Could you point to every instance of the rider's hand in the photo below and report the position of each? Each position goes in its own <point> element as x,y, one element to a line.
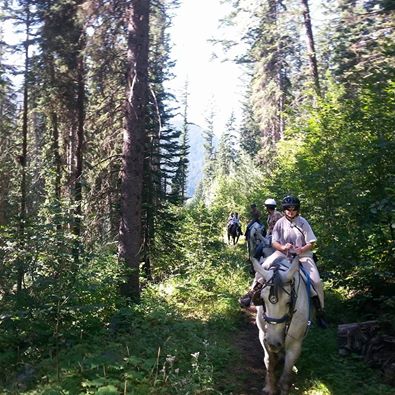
<point>287,247</point>
<point>298,250</point>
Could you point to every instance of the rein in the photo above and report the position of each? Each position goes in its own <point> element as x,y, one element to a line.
<point>275,284</point>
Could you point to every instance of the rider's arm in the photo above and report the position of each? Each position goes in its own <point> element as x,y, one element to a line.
<point>305,248</point>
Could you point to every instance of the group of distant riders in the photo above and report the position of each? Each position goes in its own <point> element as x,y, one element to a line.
<point>289,235</point>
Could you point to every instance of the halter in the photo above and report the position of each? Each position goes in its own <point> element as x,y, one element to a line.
<point>275,283</point>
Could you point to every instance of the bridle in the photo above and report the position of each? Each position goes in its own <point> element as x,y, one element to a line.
<point>275,283</point>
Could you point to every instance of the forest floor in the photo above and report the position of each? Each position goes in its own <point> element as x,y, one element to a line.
<point>321,371</point>
<point>250,371</point>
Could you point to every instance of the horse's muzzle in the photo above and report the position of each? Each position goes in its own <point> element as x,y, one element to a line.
<point>274,346</point>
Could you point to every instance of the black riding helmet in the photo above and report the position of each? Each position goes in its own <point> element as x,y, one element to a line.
<point>290,201</point>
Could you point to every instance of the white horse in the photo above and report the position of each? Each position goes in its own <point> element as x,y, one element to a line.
<point>256,237</point>
<point>282,321</point>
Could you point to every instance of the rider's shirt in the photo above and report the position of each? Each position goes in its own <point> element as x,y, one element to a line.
<point>297,232</point>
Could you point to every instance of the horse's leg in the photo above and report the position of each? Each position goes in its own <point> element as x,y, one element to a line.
<point>292,354</point>
<point>252,247</point>
<point>270,360</point>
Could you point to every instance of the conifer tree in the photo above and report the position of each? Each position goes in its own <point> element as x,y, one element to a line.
<point>106,55</point>
<point>227,154</point>
<point>180,179</point>
<point>63,44</point>
<point>162,138</point>
<point>311,53</point>
<point>133,145</point>
<point>359,41</point>
<point>272,42</point>
<point>209,149</point>
<point>210,159</point>
<point>8,115</point>
<point>25,18</point>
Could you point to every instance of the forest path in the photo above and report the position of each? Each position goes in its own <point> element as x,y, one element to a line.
<point>249,371</point>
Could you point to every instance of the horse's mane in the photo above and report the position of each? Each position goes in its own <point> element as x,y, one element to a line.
<point>276,278</point>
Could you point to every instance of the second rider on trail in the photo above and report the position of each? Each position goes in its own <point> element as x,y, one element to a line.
<point>255,216</point>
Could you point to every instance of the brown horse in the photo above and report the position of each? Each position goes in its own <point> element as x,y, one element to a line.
<point>234,232</point>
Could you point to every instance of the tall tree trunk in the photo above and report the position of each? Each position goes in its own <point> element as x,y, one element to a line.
<point>310,46</point>
<point>79,150</point>
<point>57,160</point>
<point>184,145</point>
<point>23,156</point>
<point>133,145</point>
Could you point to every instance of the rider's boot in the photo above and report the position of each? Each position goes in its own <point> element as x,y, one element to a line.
<point>319,313</point>
<point>251,296</point>
<point>245,300</point>
<point>256,297</point>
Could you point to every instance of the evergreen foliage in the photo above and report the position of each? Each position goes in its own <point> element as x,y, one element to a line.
<point>60,192</point>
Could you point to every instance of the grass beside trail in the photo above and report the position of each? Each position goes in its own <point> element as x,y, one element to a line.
<point>180,340</point>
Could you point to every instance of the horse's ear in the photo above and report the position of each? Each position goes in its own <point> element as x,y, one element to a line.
<point>288,275</point>
<point>259,269</point>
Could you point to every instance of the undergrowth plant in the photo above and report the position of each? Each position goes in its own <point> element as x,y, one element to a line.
<point>179,340</point>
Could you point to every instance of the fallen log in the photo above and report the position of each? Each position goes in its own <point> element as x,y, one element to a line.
<point>374,341</point>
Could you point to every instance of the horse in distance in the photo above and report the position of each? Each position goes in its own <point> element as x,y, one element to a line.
<point>234,233</point>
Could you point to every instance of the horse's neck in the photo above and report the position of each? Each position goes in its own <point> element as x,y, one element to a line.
<point>267,251</point>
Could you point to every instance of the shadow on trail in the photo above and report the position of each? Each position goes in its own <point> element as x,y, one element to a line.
<point>249,368</point>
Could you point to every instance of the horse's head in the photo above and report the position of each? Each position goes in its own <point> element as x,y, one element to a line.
<point>278,294</point>
<point>256,235</point>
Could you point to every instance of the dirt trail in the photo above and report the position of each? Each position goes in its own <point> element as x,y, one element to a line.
<point>250,370</point>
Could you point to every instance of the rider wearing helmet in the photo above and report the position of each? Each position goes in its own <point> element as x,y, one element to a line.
<point>292,235</point>
<point>273,215</point>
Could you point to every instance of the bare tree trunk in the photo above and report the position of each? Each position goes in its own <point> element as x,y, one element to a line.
<point>57,160</point>
<point>23,156</point>
<point>133,145</point>
<point>310,46</point>
<point>79,151</point>
<point>184,144</point>
<point>56,154</point>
